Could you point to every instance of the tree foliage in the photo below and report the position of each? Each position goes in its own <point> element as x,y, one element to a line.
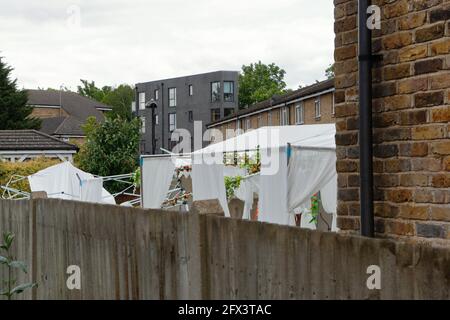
<point>15,114</point>
<point>258,82</point>
<point>329,72</point>
<point>111,147</point>
<point>119,98</point>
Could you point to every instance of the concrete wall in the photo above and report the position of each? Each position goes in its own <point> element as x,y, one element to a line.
<point>127,253</point>
<point>411,114</point>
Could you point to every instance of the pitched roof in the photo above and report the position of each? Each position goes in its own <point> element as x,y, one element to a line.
<point>73,103</point>
<point>70,126</point>
<point>77,106</point>
<point>280,99</point>
<point>20,140</point>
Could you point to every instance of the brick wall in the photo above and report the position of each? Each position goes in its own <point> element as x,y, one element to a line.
<point>411,115</point>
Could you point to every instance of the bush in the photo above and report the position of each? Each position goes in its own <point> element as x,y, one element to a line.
<point>8,169</point>
<point>111,148</point>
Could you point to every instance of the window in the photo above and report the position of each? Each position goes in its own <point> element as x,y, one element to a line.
<point>172,121</point>
<point>248,124</point>
<point>299,114</point>
<point>228,112</point>
<point>215,114</point>
<point>191,90</point>
<point>259,121</point>
<point>191,116</point>
<point>142,124</point>
<point>133,106</point>
<point>317,108</point>
<point>215,91</point>
<point>141,100</point>
<point>172,97</point>
<point>156,119</point>
<point>269,118</point>
<point>228,91</point>
<point>156,95</point>
<point>284,118</point>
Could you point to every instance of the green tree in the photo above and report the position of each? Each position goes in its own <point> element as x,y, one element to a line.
<point>15,114</point>
<point>258,82</point>
<point>120,98</point>
<point>90,90</point>
<point>111,148</point>
<point>329,72</point>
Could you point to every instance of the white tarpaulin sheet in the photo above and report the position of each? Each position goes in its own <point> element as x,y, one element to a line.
<point>91,190</point>
<point>248,187</point>
<point>62,181</point>
<point>317,136</point>
<point>273,190</point>
<point>157,175</point>
<point>309,171</point>
<point>208,183</point>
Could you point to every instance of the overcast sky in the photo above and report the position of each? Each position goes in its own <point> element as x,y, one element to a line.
<point>54,42</point>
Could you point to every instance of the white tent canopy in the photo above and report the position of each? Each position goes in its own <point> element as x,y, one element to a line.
<point>64,181</point>
<point>288,177</point>
<point>314,136</point>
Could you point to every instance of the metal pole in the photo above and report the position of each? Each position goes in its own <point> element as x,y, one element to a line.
<point>365,121</point>
<point>153,131</point>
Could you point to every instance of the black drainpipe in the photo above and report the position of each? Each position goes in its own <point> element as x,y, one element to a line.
<point>365,121</point>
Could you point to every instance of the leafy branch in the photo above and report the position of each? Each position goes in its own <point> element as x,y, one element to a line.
<point>9,261</point>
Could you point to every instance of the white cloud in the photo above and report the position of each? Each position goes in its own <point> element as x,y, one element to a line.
<point>120,41</point>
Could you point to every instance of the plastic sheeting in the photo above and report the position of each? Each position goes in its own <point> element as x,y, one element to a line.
<point>91,190</point>
<point>249,186</point>
<point>64,181</point>
<point>317,136</point>
<point>309,171</point>
<point>328,196</point>
<point>273,190</point>
<point>208,183</point>
<point>157,175</point>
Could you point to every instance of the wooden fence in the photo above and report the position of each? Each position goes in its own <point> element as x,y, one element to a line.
<point>126,253</point>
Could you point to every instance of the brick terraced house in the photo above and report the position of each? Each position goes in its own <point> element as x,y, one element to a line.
<point>309,105</point>
<point>411,118</point>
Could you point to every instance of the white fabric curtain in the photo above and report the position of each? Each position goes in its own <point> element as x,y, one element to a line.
<point>249,186</point>
<point>273,190</point>
<point>157,175</point>
<point>309,171</point>
<point>328,196</point>
<point>208,183</point>
<point>91,190</point>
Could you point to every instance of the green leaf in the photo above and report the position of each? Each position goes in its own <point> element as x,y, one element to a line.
<point>19,265</point>
<point>21,288</point>
<point>7,239</point>
<point>3,260</point>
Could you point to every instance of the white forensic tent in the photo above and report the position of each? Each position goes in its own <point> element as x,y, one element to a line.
<point>64,181</point>
<point>296,163</point>
<point>157,173</point>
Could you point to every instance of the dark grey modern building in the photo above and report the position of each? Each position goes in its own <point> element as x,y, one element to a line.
<point>178,102</point>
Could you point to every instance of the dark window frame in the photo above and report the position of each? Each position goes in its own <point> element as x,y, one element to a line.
<point>175,97</point>
<point>213,112</point>
<point>225,93</point>
<point>218,95</point>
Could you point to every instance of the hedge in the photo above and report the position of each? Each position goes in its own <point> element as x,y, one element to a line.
<point>8,169</point>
